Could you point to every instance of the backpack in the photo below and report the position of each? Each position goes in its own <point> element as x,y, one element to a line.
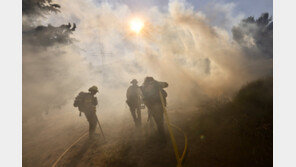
<point>81,101</point>
<point>78,102</point>
<point>165,95</point>
<point>151,93</point>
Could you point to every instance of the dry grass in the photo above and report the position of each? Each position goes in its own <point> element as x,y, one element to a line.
<point>222,133</point>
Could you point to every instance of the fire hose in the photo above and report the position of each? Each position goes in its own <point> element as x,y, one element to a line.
<point>60,157</point>
<point>169,125</point>
<point>174,143</point>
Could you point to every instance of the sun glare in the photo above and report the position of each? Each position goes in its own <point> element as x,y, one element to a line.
<point>136,25</point>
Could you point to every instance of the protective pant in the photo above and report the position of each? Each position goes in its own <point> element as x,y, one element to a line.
<point>92,120</point>
<point>136,114</point>
<point>157,114</point>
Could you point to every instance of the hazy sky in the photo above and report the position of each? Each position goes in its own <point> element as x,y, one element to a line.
<point>190,41</point>
<point>247,7</point>
<point>221,13</point>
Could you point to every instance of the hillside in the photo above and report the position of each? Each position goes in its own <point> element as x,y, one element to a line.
<point>222,132</point>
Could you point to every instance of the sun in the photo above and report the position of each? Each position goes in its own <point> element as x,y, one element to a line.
<point>136,25</point>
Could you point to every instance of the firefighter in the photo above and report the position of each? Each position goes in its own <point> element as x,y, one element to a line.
<point>151,98</point>
<point>134,100</point>
<point>86,103</point>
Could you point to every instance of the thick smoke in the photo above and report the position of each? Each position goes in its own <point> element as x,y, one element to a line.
<point>255,36</point>
<point>177,45</point>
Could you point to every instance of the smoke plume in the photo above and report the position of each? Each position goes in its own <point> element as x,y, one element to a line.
<point>177,45</point>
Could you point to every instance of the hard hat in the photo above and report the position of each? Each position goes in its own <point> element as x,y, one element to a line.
<point>148,79</point>
<point>134,81</point>
<point>93,88</point>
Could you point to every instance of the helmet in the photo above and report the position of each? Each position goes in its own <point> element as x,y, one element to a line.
<point>134,81</point>
<point>148,79</point>
<point>93,88</point>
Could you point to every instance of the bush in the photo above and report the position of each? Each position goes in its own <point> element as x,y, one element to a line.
<point>235,132</point>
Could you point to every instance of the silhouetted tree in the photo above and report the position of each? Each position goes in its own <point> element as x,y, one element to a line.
<point>39,7</point>
<point>45,35</point>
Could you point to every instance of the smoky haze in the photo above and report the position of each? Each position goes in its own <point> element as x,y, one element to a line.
<point>176,45</point>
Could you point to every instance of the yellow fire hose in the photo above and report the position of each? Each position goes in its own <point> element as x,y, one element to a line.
<point>169,125</point>
<point>60,157</point>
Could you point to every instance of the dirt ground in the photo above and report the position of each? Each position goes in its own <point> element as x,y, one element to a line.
<point>125,145</point>
<point>210,143</point>
<point>220,133</point>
